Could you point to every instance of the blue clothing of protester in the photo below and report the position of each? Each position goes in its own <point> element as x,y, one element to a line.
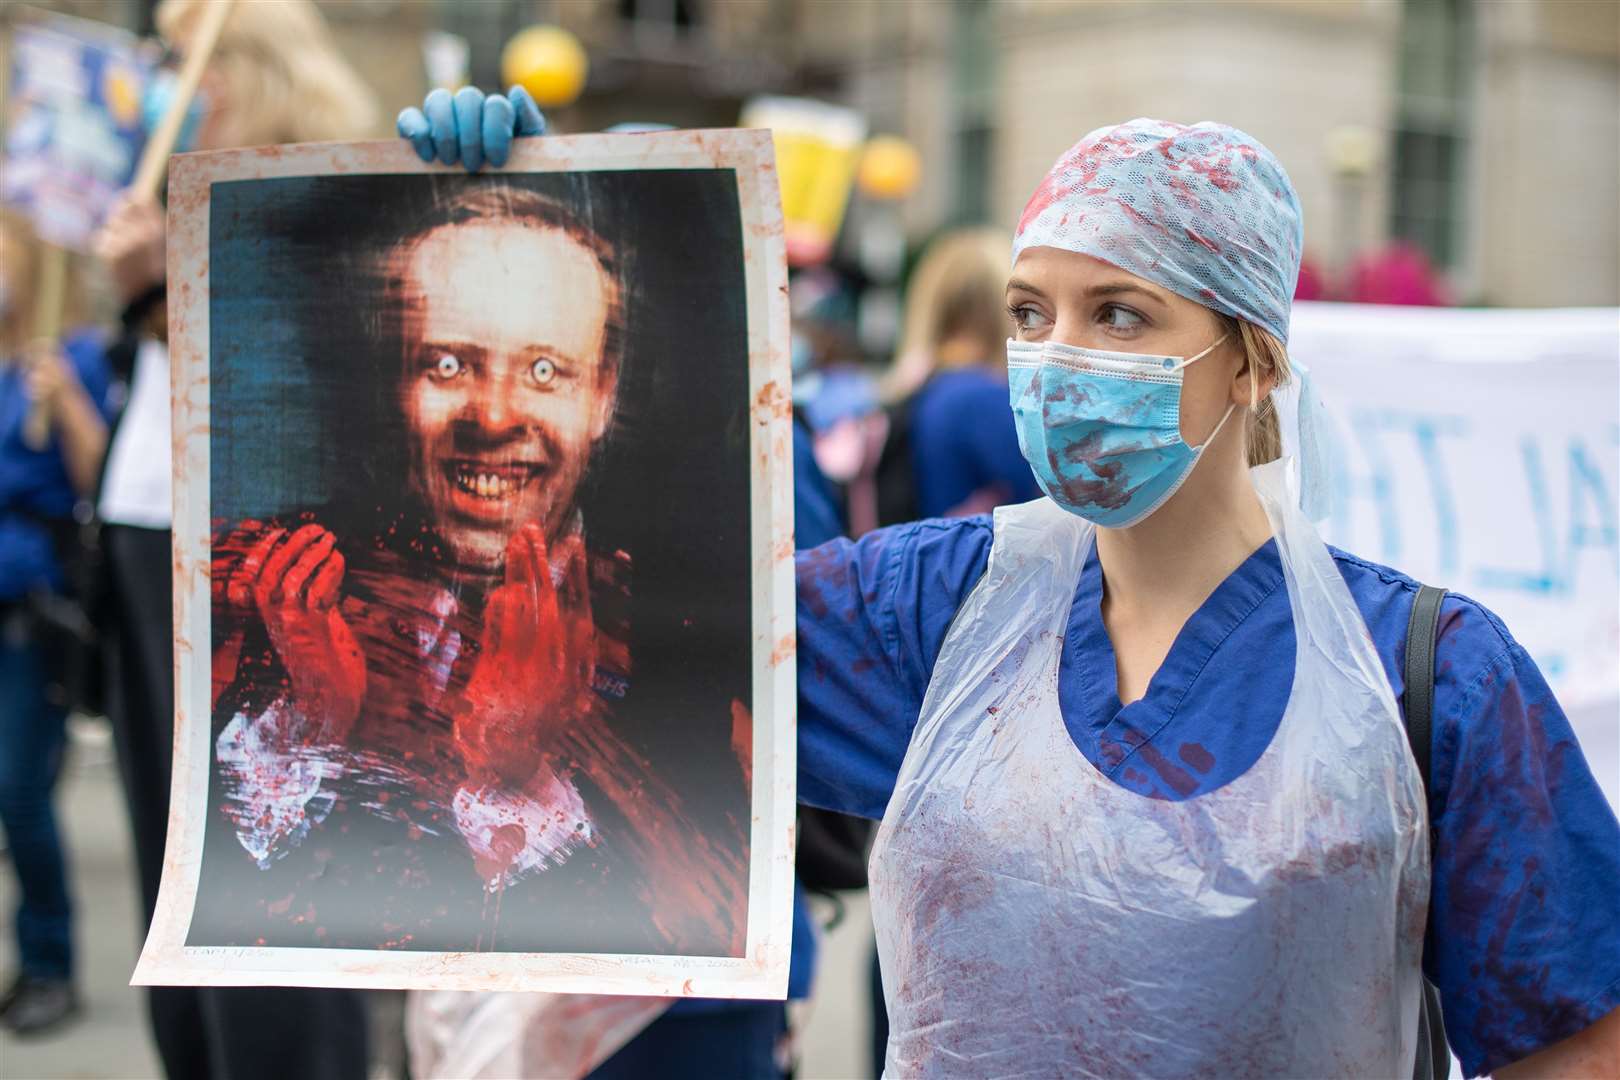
<point>34,488</point>
<point>964,444</point>
<point>737,1044</point>
<point>32,737</point>
<point>34,483</point>
<point>1524,942</point>
<point>816,519</point>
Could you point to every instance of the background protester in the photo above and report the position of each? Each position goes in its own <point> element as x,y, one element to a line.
<point>836,411</point>
<point>934,437</point>
<point>275,77</point>
<point>952,435</point>
<point>53,429</point>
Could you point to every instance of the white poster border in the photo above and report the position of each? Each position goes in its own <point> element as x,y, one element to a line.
<point>762,970</point>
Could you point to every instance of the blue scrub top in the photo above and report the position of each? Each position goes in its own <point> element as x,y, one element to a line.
<point>963,442</point>
<point>816,517</point>
<point>1524,941</point>
<point>34,483</point>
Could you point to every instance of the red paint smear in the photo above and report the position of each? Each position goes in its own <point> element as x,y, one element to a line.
<point>1050,191</point>
<point>1216,172</point>
<point>226,657</point>
<point>820,571</point>
<point>505,844</point>
<point>1205,242</point>
<point>696,883</point>
<point>1197,756</point>
<point>1066,393</point>
<point>1142,219</point>
<point>289,581</point>
<point>1175,777</point>
<point>742,741</point>
<point>697,889</point>
<point>535,672</point>
<point>1109,491</point>
<point>1184,193</point>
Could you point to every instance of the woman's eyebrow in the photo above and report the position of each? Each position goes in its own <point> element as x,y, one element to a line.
<point>1107,288</point>
<point>1120,288</point>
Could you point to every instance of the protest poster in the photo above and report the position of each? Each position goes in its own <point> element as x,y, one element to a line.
<point>1479,451</point>
<point>818,149</point>
<point>73,123</point>
<point>483,547</point>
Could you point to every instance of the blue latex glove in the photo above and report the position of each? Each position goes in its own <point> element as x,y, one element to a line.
<point>470,127</point>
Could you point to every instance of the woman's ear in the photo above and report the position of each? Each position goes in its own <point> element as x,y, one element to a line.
<point>1243,385</point>
<point>1249,390</point>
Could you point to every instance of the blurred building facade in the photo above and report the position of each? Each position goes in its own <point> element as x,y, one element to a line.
<point>1485,132</point>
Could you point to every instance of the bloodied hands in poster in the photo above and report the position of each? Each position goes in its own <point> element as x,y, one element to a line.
<point>480,548</point>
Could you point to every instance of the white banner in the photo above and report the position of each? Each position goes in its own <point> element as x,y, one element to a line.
<point>1480,451</point>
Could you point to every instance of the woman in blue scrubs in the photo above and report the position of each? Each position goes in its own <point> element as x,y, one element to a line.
<point>1147,805</point>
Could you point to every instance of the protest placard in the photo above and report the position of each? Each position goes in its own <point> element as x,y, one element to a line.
<point>1479,451</point>
<point>73,123</point>
<point>484,592</point>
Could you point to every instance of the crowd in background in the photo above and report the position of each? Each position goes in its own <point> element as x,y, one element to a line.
<point>85,565</point>
<point>86,480</point>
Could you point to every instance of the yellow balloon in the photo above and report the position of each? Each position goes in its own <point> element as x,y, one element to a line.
<point>890,168</point>
<point>548,62</point>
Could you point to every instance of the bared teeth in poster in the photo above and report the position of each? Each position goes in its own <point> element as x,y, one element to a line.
<point>482,531</point>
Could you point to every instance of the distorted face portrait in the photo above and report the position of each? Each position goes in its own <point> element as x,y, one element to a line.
<point>506,327</point>
<point>472,518</point>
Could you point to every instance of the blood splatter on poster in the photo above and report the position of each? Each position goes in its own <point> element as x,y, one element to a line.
<point>482,530</point>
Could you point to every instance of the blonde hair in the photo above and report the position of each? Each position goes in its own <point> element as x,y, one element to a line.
<point>1264,355</point>
<point>285,79</point>
<point>957,292</point>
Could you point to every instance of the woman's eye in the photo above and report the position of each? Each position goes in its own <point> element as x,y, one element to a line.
<point>543,371</point>
<point>1120,318</point>
<point>447,366</point>
<point>1026,318</point>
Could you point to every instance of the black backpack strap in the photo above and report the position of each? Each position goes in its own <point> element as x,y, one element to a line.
<point>1420,635</point>
<point>1433,1059</point>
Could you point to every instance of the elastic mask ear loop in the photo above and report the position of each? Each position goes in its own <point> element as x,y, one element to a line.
<point>1194,359</point>
<point>1224,418</point>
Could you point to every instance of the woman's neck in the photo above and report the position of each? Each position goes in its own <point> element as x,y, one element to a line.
<point>1163,568</point>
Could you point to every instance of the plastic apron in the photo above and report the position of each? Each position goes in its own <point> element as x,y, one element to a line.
<point>494,1035</point>
<point>1036,919</point>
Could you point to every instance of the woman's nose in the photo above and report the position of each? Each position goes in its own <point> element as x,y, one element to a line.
<point>1074,330</point>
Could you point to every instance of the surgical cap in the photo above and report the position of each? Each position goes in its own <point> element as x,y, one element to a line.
<point>1204,211</point>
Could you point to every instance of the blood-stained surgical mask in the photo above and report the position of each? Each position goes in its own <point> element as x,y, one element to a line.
<point>1102,430</point>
